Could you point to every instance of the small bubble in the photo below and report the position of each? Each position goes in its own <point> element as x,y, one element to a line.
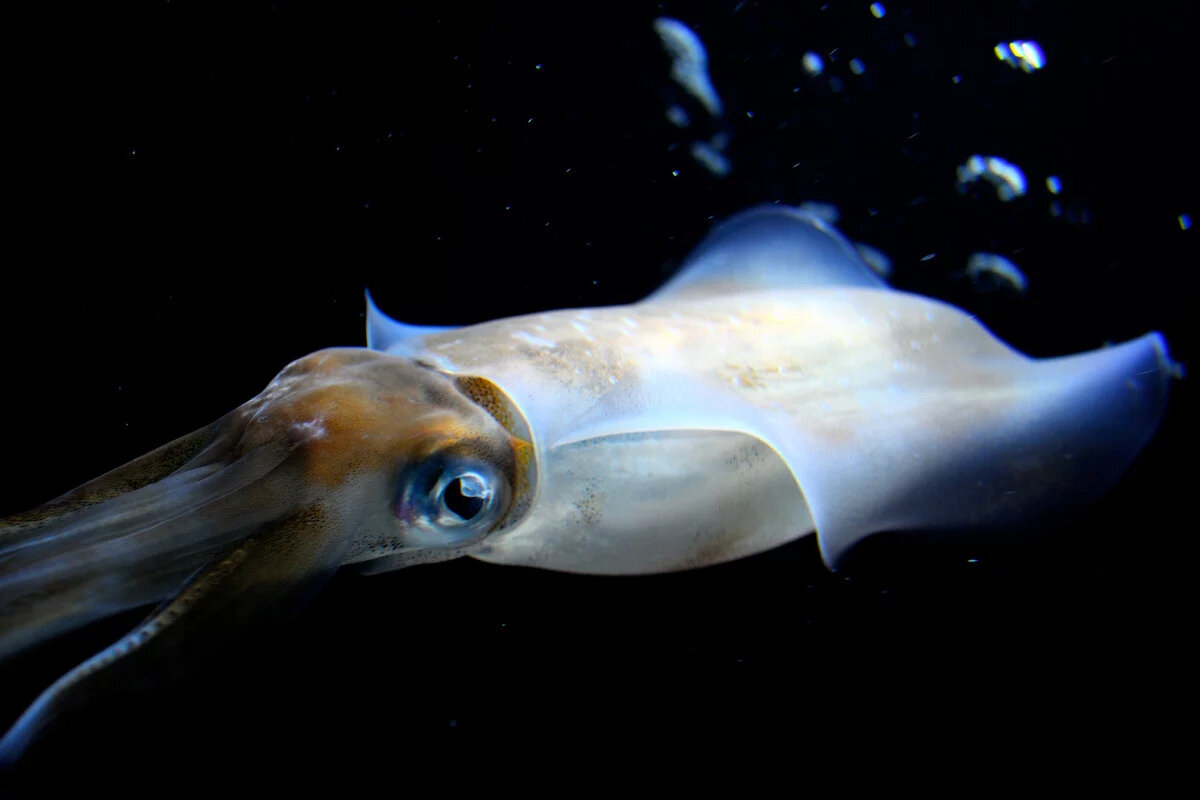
<point>711,158</point>
<point>1006,177</point>
<point>989,271</point>
<point>826,211</point>
<point>875,259</point>
<point>678,116</point>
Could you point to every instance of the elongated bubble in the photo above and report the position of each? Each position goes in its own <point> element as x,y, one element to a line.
<point>689,62</point>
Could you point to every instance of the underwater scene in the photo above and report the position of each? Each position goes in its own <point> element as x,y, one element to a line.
<point>846,420</point>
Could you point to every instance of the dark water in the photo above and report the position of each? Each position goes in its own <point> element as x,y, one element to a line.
<point>207,189</point>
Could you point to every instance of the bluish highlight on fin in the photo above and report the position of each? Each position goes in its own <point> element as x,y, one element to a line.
<point>769,247</point>
<point>389,335</point>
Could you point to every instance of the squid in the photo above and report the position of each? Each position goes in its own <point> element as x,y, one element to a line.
<point>775,387</point>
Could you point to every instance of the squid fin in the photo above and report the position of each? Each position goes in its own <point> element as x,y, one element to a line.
<point>769,247</point>
<point>391,336</point>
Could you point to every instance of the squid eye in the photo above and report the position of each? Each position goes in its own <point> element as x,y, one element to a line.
<point>449,499</point>
<point>464,496</point>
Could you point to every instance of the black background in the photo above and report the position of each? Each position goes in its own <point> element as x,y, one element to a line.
<point>202,191</point>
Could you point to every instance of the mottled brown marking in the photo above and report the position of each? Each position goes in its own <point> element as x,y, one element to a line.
<point>346,411</point>
<point>493,400</point>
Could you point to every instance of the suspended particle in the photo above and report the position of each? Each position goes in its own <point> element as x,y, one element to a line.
<point>1185,221</point>
<point>878,11</point>
<point>857,66</point>
<point>814,65</point>
<point>1053,184</point>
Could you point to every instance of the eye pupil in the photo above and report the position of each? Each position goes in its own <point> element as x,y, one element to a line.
<point>465,500</point>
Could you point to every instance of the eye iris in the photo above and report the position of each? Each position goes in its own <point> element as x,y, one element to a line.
<point>464,496</point>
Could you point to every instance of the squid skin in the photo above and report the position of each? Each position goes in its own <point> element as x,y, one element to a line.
<point>776,387</point>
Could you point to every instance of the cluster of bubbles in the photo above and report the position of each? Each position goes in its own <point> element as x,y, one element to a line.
<point>814,65</point>
<point>689,68</point>
<point>1025,55</point>
<point>986,271</point>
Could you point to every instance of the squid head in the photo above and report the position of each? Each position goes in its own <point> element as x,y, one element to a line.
<point>349,455</point>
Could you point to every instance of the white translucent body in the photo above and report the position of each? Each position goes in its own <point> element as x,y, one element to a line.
<point>774,387</point>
